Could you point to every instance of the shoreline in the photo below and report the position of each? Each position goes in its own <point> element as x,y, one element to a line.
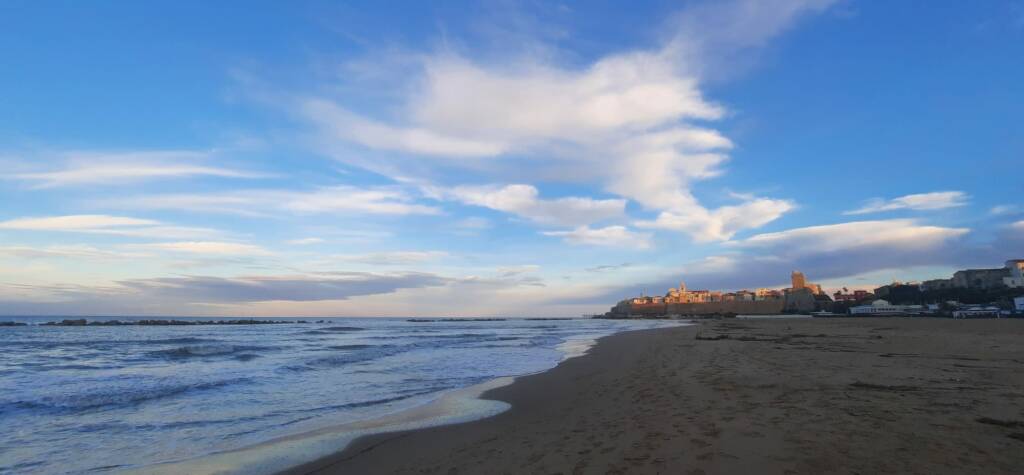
<point>870,395</point>
<point>283,454</point>
<point>501,393</point>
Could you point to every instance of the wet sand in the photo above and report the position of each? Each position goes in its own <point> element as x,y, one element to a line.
<point>868,395</point>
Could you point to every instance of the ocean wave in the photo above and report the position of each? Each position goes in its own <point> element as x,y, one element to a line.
<point>189,351</point>
<point>49,344</point>
<point>350,347</point>
<point>120,396</point>
<point>331,330</point>
<point>361,353</point>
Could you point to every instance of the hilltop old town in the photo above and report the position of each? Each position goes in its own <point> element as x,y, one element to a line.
<point>969,293</point>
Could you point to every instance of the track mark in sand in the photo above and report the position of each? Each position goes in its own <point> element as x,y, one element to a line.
<point>882,387</point>
<point>999,422</point>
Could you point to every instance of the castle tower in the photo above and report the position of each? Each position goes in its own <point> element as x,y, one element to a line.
<point>799,281</point>
<point>682,287</point>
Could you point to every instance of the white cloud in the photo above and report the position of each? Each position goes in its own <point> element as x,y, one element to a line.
<point>721,28</point>
<point>536,101</point>
<point>90,168</point>
<point>631,123</point>
<point>326,200</point>
<point>1004,209</point>
<point>354,200</point>
<point>207,247</point>
<point>721,223</point>
<point>105,224</point>
<point>339,123</point>
<point>473,223</point>
<point>73,251</point>
<point>74,222</point>
<point>305,241</point>
<point>1019,225</point>
<point>386,258</point>
<point>612,236</point>
<point>893,234</point>
<point>524,201</point>
<point>920,202</point>
<point>512,271</point>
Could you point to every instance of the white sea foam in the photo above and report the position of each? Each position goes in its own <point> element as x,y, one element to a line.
<point>273,456</point>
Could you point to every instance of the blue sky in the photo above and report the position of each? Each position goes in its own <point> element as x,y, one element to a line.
<point>499,158</point>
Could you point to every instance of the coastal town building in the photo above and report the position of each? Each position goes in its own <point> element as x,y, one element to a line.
<point>798,279</point>
<point>883,307</point>
<point>936,284</point>
<point>856,296</point>
<point>980,278</point>
<point>977,311</point>
<point>1010,275</point>
<point>1018,304</point>
<point>1015,267</point>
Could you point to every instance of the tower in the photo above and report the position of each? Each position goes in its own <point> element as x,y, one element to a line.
<point>799,281</point>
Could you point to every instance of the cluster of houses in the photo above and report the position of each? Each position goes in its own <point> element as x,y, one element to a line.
<point>970,293</point>
<point>1006,283</point>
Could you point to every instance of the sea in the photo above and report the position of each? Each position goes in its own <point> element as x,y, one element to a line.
<point>109,399</point>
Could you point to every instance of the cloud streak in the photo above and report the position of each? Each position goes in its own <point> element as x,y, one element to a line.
<point>106,224</point>
<point>92,168</point>
<point>524,201</point>
<point>918,202</point>
<point>351,200</point>
<point>610,236</point>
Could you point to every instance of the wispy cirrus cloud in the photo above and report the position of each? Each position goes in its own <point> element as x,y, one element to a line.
<point>524,201</point>
<point>633,123</point>
<point>385,200</point>
<point>92,168</point>
<point>207,247</point>
<point>66,251</point>
<point>610,236</point>
<point>918,202</point>
<point>1001,210</point>
<point>385,258</point>
<point>106,224</point>
<point>895,234</point>
<point>304,241</point>
<point>324,286</point>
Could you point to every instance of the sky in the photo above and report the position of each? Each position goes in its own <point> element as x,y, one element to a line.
<point>499,158</point>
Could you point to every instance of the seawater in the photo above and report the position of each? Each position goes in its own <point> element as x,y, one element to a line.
<point>110,398</point>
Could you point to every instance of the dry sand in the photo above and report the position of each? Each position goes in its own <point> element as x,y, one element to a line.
<point>869,395</point>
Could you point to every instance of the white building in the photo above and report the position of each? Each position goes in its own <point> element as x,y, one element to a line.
<point>1018,303</point>
<point>1016,277</point>
<point>977,312</point>
<point>883,307</point>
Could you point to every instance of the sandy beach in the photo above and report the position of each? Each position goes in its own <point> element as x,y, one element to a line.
<point>869,395</point>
